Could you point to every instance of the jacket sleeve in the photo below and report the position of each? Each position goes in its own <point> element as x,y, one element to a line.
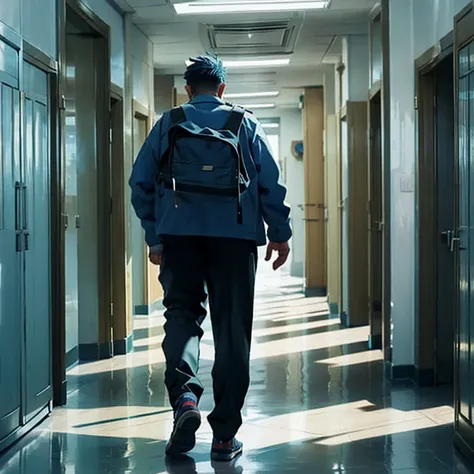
<point>143,184</point>
<point>275,210</point>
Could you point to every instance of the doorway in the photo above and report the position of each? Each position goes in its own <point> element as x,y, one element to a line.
<point>121,314</point>
<point>463,238</point>
<point>375,221</point>
<point>87,186</point>
<point>435,297</point>
<point>139,253</point>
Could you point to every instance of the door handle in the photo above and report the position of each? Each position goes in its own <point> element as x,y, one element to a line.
<point>78,221</point>
<point>25,206</point>
<point>17,205</point>
<point>447,237</point>
<point>453,242</point>
<point>27,241</point>
<point>18,241</point>
<point>378,226</point>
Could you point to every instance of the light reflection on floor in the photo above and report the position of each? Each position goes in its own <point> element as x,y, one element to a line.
<point>318,403</point>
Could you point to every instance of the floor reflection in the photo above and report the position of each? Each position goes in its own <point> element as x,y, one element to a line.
<point>318,403</point>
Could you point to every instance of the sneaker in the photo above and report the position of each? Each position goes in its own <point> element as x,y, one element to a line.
<point>226,450</point>
<point>187,421</point>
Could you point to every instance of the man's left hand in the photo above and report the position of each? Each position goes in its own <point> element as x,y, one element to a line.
<point>155,258</point>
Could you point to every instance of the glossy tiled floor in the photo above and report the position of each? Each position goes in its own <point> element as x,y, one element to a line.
<point>318,404</point>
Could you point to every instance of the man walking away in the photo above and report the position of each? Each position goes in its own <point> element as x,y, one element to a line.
<point>203,185</point>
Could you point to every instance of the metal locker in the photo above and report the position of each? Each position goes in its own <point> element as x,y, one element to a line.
<point>36,202</point>
<point>10,244</point>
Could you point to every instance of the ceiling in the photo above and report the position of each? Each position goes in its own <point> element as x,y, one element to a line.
<point>311,38</point>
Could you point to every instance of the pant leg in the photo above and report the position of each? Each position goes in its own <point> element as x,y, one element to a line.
<point>231,266</point>
<point>182,276</point>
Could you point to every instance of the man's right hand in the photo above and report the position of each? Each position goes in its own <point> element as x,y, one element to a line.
<point>283,250</point>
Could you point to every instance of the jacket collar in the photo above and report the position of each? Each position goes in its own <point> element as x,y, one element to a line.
<point>206,98</point>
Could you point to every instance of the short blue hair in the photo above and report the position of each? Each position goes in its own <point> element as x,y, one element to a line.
<point>205,71</point>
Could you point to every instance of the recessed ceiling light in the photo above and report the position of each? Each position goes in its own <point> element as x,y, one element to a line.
<point>258,106</point>
<point>270,125</point>
<point>252,95</point>
<point>247,6</point>
<point>255,62</point>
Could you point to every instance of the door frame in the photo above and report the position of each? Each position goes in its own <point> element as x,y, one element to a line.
<point>426,218</point>
<point>120,308</point>
<point>103,47</point>
<point>375,335</point>
<point>463,35</point>
<point>386,190</point>
<point>144,114</point>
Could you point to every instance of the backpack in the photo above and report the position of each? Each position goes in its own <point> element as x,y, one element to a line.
<point>201,160</point>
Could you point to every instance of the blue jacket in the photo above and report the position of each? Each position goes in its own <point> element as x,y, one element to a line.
<point>264,201</point>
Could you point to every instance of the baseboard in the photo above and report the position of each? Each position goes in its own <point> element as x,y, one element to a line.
<point>123,346</point>
<point>142,310</point>
<point>62,398</point>
<point>149,309</point>
<point>95,351</point>
<point>425,377</point>
<point>334,309</point>
<point>375,342</point>
<point>315,292</point>
<point>402,372</point>
<point>297,269</point>
<point>72,357</point>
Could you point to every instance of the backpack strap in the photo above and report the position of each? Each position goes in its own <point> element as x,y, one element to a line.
<point>177,115</point>
<point>234,122</point>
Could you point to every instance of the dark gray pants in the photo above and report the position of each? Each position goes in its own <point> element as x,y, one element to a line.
<point>227,267</point>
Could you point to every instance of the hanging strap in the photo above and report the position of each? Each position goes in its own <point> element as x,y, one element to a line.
<point>177,115</point>
<point>234,122</point>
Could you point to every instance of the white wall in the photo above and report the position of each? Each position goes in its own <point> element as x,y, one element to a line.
<point>142,67</point>
<point>34,20</point>
<point>291,129</point>
<point>355,56</point>
<point>415,26</point>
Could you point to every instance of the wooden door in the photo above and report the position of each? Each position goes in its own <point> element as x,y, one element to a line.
<point>313,127</point>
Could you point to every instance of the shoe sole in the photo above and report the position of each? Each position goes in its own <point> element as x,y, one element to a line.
<point>183,438</point>
<point>225,456</point>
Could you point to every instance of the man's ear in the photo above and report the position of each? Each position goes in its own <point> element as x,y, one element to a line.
<point>221,90</point>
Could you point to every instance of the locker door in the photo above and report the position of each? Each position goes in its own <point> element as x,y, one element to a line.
<point>10,317</point>
<point>36,196</point>
<point>463,243</point>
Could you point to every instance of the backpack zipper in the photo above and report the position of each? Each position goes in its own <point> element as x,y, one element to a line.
<point>175,194</point>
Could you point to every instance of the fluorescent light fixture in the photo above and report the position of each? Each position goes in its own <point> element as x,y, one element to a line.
<point>270,125</point>
<point>258,106</point>
<point>247,6</point>
<point>252,95</point>
<point>233,63</point>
